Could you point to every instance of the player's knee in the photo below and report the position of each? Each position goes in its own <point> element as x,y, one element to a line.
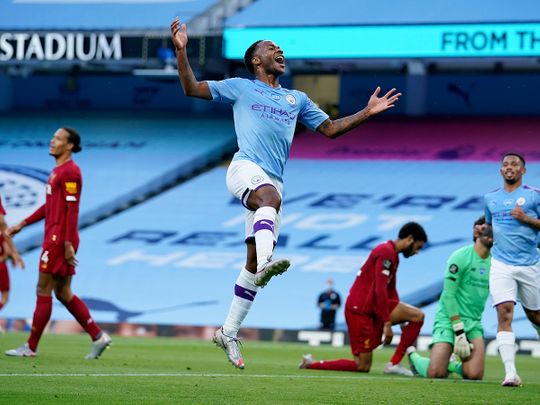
<point>62,295</point>
<point>363,368</point>
<point>434,372</point>
<point>533,316</point>
<point>475,375</point>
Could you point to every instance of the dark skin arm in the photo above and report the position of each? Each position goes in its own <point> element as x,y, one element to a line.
<point>190,85</point>
<point>335,128</point>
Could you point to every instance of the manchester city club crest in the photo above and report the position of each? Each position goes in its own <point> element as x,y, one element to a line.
<point>520,201</point>
<point>290,99</point>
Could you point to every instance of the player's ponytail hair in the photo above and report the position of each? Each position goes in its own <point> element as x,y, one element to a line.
<point>74,138</point>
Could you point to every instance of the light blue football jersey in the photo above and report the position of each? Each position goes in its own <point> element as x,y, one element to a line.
<point>514,242</point>
<point>265,119</point>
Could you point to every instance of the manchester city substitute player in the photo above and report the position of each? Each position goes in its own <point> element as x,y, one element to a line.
<point>265,116</point>
<point>458,319</point>
<point>514,211</point>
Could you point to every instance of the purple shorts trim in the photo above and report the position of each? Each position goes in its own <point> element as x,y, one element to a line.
<point>502,302</point>
<point>247,193</point>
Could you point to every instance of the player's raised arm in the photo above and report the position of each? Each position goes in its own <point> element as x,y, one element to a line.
<point>190,85</point>
<point>334,128</point>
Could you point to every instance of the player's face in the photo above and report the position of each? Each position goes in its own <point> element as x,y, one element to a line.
<point>512,169</point>
<point>59,143</point>
<point>413,248</point>
<point>271,58</point>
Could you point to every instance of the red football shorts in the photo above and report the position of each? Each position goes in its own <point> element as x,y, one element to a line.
<point>365,330</point>
<point>52,261</point>
<point>4,277</point>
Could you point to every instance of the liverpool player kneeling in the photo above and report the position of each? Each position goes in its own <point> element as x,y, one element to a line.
<point>373,306</point>
<point>57,261</point>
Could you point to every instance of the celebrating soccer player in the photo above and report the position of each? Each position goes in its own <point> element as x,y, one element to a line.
<point>57,261</point>
<point>458,319</point>
<point>265,116</point>
<point>514,211</point>
<point>373,306</point>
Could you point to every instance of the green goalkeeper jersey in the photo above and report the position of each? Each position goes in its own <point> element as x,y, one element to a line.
<point>466,286</point>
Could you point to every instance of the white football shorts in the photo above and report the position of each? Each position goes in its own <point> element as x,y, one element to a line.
<point>515,283</point>
<point>244,177</point>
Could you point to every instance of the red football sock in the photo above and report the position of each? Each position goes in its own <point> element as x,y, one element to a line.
<point>79,310</point>
<point>1,305</point>
<point>42,314</point>
<point>409,335</point>
<point>336,365</point>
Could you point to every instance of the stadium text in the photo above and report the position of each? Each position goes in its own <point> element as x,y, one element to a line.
<point>481,40</point>
<point>55,46</point>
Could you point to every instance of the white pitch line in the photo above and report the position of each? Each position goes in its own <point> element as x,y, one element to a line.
<point>242,375</point>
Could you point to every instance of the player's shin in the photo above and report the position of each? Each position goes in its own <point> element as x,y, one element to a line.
<point>408,337</point>
<point>335,365</point>
<point>42,314</point>
<point>80,312</point>
<point>420,363</point>
<point>263,229</point>
<point>507,349</point>
<point>245,291</point>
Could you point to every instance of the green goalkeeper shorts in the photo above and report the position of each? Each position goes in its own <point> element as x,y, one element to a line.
<point>445,334</point>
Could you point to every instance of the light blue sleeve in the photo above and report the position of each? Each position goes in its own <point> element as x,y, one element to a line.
<point>310,115</point>
<point>487,212</point>
<point>228,90</point>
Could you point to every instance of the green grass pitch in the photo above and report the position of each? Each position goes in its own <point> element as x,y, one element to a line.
<point>165,370</point>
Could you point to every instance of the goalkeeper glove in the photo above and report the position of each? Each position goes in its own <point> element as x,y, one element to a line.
<point>462,346</point>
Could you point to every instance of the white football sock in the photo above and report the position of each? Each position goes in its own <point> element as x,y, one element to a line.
<point>244,294</point>
<point>507,350</point>
<point>263,228</point>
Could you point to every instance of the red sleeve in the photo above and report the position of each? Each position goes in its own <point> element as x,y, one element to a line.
<point>38,215</point>
<point>2,210</point>
<point>71,188</point>
<point>383,271</point>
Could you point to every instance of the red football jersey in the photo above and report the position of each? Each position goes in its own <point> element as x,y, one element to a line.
<point>375,284</point>
<point>61,208</point>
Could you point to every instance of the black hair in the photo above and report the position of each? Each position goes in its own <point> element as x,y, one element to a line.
<point>74,138</point>
<point>249,55</point>
<point>415,230</point>
<point>519,156</point>
<point>480,221</point>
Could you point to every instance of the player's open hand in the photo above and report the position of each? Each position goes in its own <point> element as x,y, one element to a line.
<point>69,254</point>
<point>388,333</point>
<point>179,34</point>
<point>378,104</point>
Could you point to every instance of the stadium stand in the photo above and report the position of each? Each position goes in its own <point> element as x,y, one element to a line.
<point>322,13</point>
<point>125,159</point>
<point>65,15</point>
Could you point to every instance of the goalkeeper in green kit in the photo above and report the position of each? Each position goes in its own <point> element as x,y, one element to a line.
<point>457,327</point>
